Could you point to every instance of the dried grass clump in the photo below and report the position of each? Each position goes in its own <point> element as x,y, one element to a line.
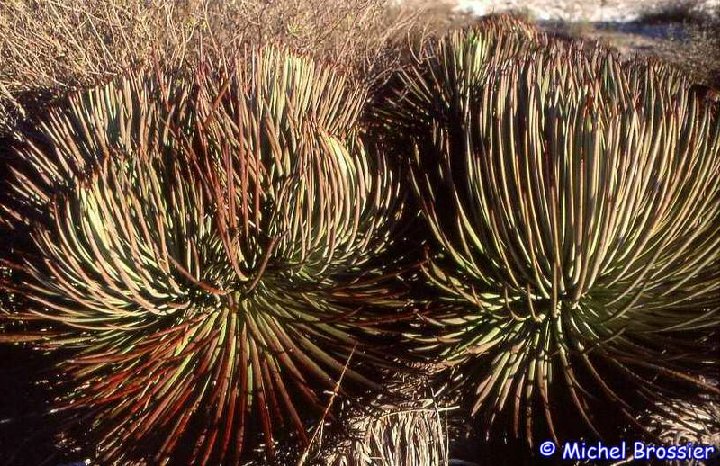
<point>410,435</point>
<point>684,421</point>
<point>681,421</point>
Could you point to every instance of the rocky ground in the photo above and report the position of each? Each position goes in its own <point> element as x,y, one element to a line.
<point>593,11</point>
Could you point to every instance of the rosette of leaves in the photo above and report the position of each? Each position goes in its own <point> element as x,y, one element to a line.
<point>215,277</point>
<point>573,202</point>
<point>134,114</point>
<point>435,86</point>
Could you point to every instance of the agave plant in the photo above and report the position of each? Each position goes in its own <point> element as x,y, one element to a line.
<point>130,115</point>
<point>435,88</point>
<point>214,268</point>
<point>574,211</point>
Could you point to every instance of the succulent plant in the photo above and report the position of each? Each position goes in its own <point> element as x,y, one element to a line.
<point>216,263</point>
<point>573,201</point>
<point>129,115</point>
<point>444,73</point>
